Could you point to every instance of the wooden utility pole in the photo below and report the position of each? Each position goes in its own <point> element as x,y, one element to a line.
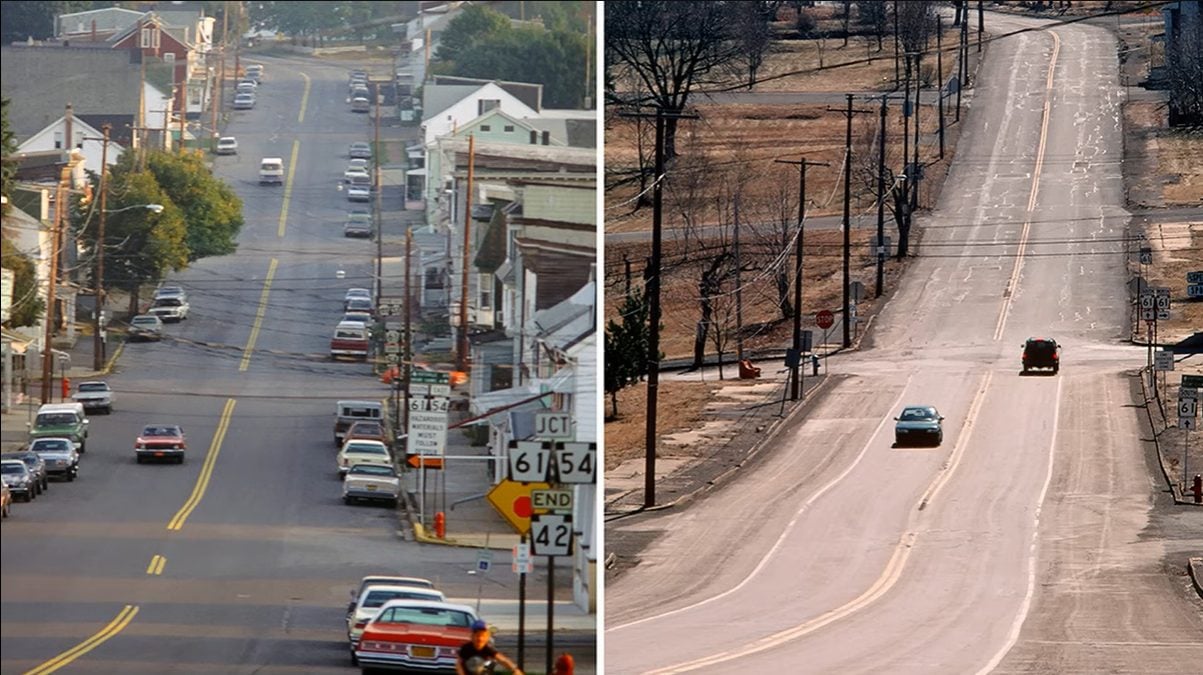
<point>915,165</point>
<point>98,343</point>
<point>962,55</point>
<point>652,292</point>
<point>981,23</point>
<point>796,372</point>
<point>739,294</point>
<point>408,362</point>
<point>897,50</point>
<point>848,219</point>
<point>461,356</point>
<point>940,80</point>
<point>879,250</point>
<point>379,207</point>
<point>60,206</point>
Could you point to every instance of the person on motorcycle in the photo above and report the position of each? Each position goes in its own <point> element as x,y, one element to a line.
<point>477,651</point>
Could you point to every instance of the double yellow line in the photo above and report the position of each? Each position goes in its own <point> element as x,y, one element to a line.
<point>250,343</point>
<point>115,626</point>
<point>202,481</point>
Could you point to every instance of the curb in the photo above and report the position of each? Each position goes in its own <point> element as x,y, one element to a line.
<point>1176,494</point>
<point>422,536</point>
<point>1194,567</point>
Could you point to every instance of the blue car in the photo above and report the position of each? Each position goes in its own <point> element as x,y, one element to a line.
<point>918,424</point>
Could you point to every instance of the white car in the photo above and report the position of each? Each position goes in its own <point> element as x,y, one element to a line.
<point>359,162</point>
<point>371,482</point>
<point>364,293</point>
<point>244,101</point>
<point>170,309</point>
<point>373,597</point>
<point>357,173</point>
<point>146,327</point>
<point>358,193</point>
<point>171,292</point>
<point>95,395</point>
<point>358,451</point>
<point>227,145</point>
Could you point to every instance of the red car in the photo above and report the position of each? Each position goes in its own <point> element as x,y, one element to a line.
<point>415,635</point>
<point>161,441</point>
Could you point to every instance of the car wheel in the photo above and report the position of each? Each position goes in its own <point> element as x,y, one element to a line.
<point>28,497</point>
<point>354,659</point>
<point>46,483</point>
<point>108,410</point>
<point>179,460</point>
<point>139,458</point>
<point>71,477</point>
<point>347,500</point>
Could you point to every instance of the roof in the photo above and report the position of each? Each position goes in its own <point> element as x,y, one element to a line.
<point>106,19</point>
<point>528,92</point>
<point>492,251</point>
<point>41,81</point>
<point>437,98</point>
<point>574,132</point>
<point>564,324</point>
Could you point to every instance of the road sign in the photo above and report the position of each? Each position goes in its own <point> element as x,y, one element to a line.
<point>1146,256</point>
<point>552,535</point>
<point>1163,360</point>
<point>554,426</point>
<point>521,562</point>
<point>1194,291</point>
<point>392,348</point>
<point>1192,382</point>
<point>424,462</point>
<point>1187,392</point>
<point>429,404</point>
<point>1161,291</point>
<point>825,319</point>
<point>1187,423</point>
<point>1163,302</point>
<point>1194,277</point>
<point>484,560</point>
<point>392,358</point>
<point>429,376</point>
<point>427,426</point>
<point>392,336</point>
<point>1188,407</point>
<point>576,462</point>
<point>392,307</point>
<point>512,500</point>
<point>1148,301</point>
<point>529,460</point>
<point>857,290</point>
<point>807,340</point>
<point>1148,314</point>
<point>1163,315</point>
<point>551,500</point>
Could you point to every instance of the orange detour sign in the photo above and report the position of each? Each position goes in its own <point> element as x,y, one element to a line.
<point>424,461</point>
<point>512,501</point>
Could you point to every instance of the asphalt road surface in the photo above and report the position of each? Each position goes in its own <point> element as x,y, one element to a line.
<point>241,559</point>
<point>1031,540</point>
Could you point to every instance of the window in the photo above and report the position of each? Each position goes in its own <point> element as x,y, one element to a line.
<point>509,128</point>
<point>486,299</point>
<point>485,127</point>
<point>434,279</point>
<point>58,140</point>
<point>484,105</point>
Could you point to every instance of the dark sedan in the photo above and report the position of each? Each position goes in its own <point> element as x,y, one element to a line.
<point>36,465</point>
<point>918,424</point>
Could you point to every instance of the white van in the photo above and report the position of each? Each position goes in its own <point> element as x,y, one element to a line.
<point>271,170</point>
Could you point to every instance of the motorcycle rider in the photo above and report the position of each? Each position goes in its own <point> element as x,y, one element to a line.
<point>478,650</point>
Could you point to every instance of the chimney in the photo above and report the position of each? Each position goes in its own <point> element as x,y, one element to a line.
<point>546,138</point>
<point>93,30</point>
<point>69,131</point>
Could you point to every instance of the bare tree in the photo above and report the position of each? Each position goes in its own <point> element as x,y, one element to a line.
<point>873,14</point>
<point>1184,68</point>
<point>674,48</point>
<point>755,36</point>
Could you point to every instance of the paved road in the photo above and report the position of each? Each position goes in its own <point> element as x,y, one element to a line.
<point>257,573</point>
<point>1031,540</point>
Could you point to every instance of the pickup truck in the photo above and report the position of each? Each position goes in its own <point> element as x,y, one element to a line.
<point>95,395</point>
<point>350,412</point>
<point>350,340</point>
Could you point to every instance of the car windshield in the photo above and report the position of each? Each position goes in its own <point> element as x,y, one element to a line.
<point>93,386</point>
<point>21,457</point>
<point>13,467</point>
<point>366,449</point>
<point>367,428</point>
<point>161,431</point>
<point>50,445</point>
<point>426,616</point>
<point>168,302</point>
<point>1041,346</point>
<point>378,598</point>
<point>55,419</point>
<point>918,414</point>
<point>145,320</point>
<point>373,470</point>
<point>359,303</point>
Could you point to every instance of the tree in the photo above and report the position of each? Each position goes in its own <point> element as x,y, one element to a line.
<point>475,23</point>
<point>673,48</point>
<point>141,246</point>
<point>27,308</point>
<point>211,210</point>
<point>626,346</point>
<point>23,20</point>
<point>8,165</point>
<point>1184,66</point>
<point>873,14</point>
<point>756,36</point>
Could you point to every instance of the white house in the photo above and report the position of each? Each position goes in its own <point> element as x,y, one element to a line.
<point>84,138</point>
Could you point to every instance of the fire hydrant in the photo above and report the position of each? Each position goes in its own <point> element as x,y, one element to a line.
<point>66,388</point>
<point>440,525</point>
<point>1198,489</point>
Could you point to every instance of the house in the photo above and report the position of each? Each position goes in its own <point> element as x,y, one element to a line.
<point>100,85</point>
<point>419,45</point>
<point>84,137</point>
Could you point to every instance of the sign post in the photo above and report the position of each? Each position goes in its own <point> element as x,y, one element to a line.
<point>426,435</point>
<point>1188,409</point>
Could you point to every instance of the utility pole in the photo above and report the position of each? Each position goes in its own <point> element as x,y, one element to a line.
<point>880,249</point>
<point>98,343</point>
<point>897,75</point>
<point>739,294</point>
<point>915,164</point>
<point>652,290</point>
<point>906,130</point>
<point>848,219</point>
<point>962,55</point>
<point>940,80</point>
<point>60,205</point>
<point>461,356</point>
<point>408,361</point>
<point>376,187</point>
<point>981,23</point>
<point>796,373</point>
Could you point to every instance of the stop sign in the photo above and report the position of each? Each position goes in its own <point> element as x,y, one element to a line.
<point>825,319</point>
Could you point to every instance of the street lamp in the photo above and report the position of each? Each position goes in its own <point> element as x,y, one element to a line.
<point>98,343</point>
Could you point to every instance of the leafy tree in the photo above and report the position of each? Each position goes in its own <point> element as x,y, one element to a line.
<point>27,308</point>
<point>141,246</point>
<point>477,22</point>
<point>211,210</point>
<point>626,346</point>
<point>8,166</point>
<point>24,20</point>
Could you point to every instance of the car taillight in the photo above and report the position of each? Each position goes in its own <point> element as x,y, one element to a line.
<point>360,624</point>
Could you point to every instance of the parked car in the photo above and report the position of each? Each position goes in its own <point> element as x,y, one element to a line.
<point>357,175</point>
<point>359,163</point>
<point>359,193</point>
<point>371,482</point>
<point>367,430</point>
<point>360,150</point>
<point>62,461</point>
<point>161,441</point>
<point>415,635</point>
<point>359,224</point>
<point>355,452</point>
<point>349,412</point>
<point>360,104</point>
<point>227,145</point>
<point>358,317</point>
<point>95,395</point>
<point>35,464</point>
<point>146,327</point>
<point>349,340</point>
<point>20,482</point>
<point>1041,353</point>
<point>244,101</point>
<point>918,424</point>
<point>65,420</point>
<point>246,87</point>
<point>171,291</point>
<point>171,310</point>
<point>373,598</point>
<point>255,72</point>
<point>364,293</point>
<point>6,506</point>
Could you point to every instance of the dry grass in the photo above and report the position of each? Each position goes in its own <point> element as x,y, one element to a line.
<point>681,406</point>
<point>1179,154</point>
<point>1174,254</point>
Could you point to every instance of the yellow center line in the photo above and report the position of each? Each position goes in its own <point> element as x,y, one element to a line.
<point>304,98</point>
<point>250,342</point>
<point>157,563</point>
<point>66,658</point>
<point>292,172</point>
<point>202,481</point>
